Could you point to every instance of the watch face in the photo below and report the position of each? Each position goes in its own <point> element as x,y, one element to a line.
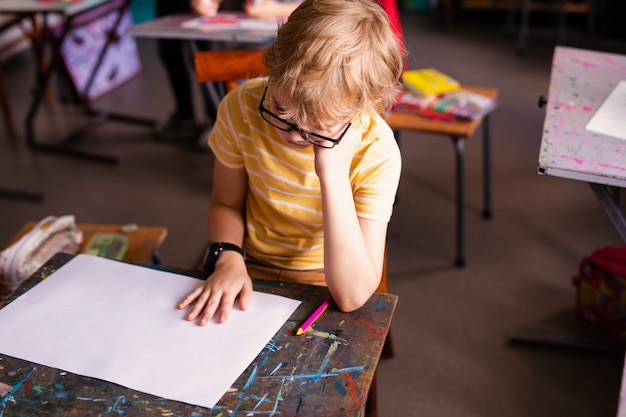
<point>215,249</point>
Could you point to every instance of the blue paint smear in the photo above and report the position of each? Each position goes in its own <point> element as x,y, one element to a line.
<point>237,406</point>
<point>277,368</point>
<point>120,400</point>
<point>351,369</point>
<point>251,379</point>
<point>60,390</point>
<point>15,388</point>
<point>272,347</point>
<point>340,388</point>
<point>39,390</point>
<point>315,377</point>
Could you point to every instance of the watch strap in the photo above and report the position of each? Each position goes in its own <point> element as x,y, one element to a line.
<point>214,251</point>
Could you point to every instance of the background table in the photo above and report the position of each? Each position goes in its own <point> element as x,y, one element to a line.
<point>325,372</point>
<point>143,244</point>
<point>170,27</point>
<point>459,130</point>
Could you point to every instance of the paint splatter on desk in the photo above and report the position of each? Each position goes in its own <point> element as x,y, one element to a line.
<point>325,372</point>
<point>580,82</point>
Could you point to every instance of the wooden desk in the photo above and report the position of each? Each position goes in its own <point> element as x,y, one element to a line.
<point>458,130</point>
<point>143,244</point>
<point>73,15</point>
<point>325,373</point>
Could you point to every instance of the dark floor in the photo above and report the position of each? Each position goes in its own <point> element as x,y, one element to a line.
<point>451,328</point>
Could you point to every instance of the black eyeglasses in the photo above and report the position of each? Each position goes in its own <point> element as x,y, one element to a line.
<point>285,126</point>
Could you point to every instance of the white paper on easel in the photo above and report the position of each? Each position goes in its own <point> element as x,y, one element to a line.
<point>610,118</point>
<point>118,322</point>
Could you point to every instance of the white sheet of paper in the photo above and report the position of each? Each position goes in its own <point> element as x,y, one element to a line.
<point>118,322</point>
<point>610,118</point>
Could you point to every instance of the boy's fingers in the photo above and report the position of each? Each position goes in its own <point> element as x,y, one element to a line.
<point>189,298</point>
<point>245,297</point>
<point>225,309</point>
<point>205,309</point>
<point>200,302</point>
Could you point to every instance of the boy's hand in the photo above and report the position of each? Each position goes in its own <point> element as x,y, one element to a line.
<point>216,297</point>
<point>261,9</point>
<point>335,162</point>
<point>269,9</point>
<point>205,7</point>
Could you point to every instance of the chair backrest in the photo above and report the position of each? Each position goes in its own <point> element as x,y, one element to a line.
<point>228,66</point>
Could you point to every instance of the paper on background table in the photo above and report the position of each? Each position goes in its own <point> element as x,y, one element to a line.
<point>610,118</point>
<point>118,322</point>
<point>231,21</point>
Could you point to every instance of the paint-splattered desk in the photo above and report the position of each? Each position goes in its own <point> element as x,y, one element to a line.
<point>326,372</point>
<point>579,83</point>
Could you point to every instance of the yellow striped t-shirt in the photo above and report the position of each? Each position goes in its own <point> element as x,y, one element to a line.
<point>283,202</point>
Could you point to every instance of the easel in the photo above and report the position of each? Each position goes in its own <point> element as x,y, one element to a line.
<point>75,15</point>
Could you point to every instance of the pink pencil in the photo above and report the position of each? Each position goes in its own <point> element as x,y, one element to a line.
<point>316,315</point>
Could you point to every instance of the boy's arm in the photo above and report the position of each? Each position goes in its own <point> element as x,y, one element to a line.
<point>226,224</point>
<point>353,247</point>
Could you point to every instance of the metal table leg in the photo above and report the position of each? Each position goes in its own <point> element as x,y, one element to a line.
<point>486,168</point>
<point>610,204</point>
<point>459,149</point>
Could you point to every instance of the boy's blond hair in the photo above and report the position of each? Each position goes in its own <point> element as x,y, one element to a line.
<point>332,61</point>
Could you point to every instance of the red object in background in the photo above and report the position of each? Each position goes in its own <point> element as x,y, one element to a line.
<point>391,7</point>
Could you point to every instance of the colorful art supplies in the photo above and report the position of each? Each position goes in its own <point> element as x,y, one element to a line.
<point>429,81</point>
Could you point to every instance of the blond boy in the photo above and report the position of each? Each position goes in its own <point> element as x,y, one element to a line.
<point>306,170</point>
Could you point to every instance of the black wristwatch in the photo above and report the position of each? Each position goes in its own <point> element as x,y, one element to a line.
<point>214,251</point>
